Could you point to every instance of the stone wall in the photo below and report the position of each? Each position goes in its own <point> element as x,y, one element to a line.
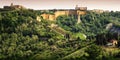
<point>57,13</point>
<point>81,12</point>
<point>52,17</point>
<point>72,12</point>
<point>45,16</point>
<point>48,16</point>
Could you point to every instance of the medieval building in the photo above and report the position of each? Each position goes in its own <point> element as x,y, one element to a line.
<point>12,7</point>
<point>57,12</point>
<point>75,12</point>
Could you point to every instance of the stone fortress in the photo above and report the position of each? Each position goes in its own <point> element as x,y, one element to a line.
<point>58,12</point>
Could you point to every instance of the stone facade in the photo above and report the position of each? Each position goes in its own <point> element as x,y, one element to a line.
<point>38,18</point>
<point>48,16</point>
<point>58,13</point>
<point>76,12</point>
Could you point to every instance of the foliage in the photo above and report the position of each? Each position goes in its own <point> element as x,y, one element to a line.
<point>94,52</point>
<point>22,37</point>
<point>92,23</point>
<point>80,36</point>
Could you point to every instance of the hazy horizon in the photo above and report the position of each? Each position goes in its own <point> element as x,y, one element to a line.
<point>64,4</point>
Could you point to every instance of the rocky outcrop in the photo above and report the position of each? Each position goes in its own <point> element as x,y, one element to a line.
<point>109,26</point>
<point>113,28</point>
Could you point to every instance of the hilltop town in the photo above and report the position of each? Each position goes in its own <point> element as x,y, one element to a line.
<point>75,12</point>
<point>59,34</point>
<point>56,12</point>
<point>13,7</point>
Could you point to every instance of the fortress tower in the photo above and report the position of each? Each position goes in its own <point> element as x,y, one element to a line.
<point>80,11</point>
<point>11,4</point>
<point>76,7</point>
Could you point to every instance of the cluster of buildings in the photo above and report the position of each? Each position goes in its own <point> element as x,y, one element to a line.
<point>58,12</point>
<point>68,12</point>
<point>12,7</point>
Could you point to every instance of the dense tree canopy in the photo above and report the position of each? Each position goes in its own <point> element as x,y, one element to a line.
<point>22,37</point>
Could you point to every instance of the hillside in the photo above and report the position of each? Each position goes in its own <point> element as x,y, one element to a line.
<point>22,37</point>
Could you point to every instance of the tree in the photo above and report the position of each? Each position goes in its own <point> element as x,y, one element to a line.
<point>94,52</point>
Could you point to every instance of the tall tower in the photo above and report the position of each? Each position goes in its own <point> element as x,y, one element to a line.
<point>78,15</point>
<point>78,19</point>
<point>76,7</point>
<point>11,4</point>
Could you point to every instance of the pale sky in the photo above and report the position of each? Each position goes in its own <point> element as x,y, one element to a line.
<point>65,4</point>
